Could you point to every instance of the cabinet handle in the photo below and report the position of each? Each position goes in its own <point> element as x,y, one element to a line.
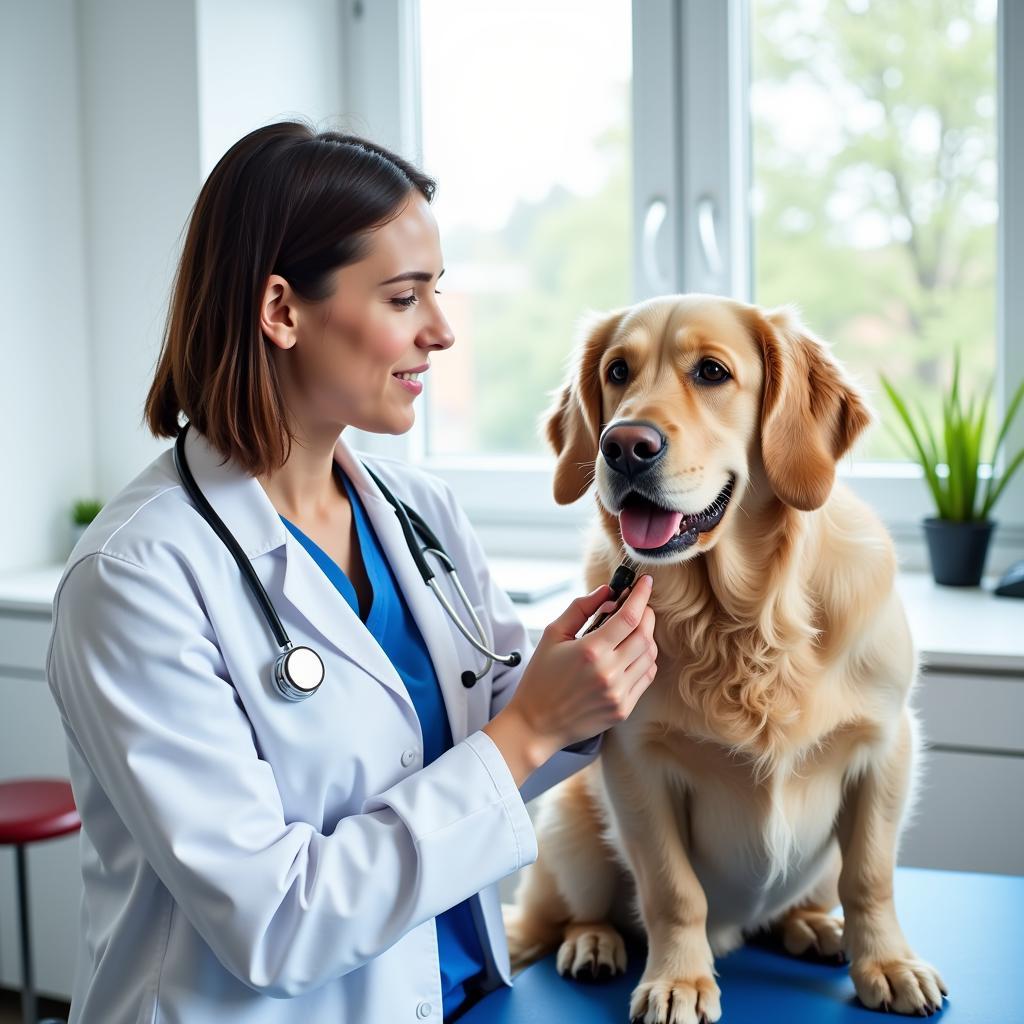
<point>708,235</point>
<point>654,218</point>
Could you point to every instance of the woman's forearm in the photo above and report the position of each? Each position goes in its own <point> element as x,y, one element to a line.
<point>522,747</point>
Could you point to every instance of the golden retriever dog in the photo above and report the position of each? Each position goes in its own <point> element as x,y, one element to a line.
<point>763,777</point>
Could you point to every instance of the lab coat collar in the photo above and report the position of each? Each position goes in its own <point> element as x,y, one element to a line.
<point>425,608</point>
<point>236,497</point>
<point>423,604</point>
<point>248,513</point>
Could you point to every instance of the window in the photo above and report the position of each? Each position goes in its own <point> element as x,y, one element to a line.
<point>525,124</point>
<point>853,157</point>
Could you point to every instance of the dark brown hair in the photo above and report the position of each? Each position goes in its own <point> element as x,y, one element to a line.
<point>284,200</point>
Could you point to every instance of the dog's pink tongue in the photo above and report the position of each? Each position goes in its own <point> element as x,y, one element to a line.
<point>644,526</point>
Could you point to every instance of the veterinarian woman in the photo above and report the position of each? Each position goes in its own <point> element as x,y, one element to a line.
<point>255,848</point>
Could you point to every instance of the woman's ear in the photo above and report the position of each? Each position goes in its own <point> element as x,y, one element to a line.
<point>573,424</point>
<point>811,413</point>
<point>277,312</point>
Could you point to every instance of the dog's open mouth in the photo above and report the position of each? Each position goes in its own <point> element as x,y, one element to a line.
<point>647,527</point>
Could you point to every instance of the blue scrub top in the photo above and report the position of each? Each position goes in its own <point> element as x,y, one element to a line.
<point>392,625</point>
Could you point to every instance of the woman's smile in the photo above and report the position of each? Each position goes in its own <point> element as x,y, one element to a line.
<point>409,379</point>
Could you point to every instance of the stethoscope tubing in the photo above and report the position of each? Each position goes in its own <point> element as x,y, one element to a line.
<point>206,510</point>
<point>411,524</point>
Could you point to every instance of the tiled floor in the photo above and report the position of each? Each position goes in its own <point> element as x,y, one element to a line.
<point>10,1008</point>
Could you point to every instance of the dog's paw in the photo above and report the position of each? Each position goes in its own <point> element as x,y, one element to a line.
<point>813,931</point>
<point>901,985</point>
<point>693,1000</point>
<point>591,952</point>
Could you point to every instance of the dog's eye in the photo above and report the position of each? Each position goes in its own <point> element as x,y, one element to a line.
<point>712,371</point>
<point>618,372</point>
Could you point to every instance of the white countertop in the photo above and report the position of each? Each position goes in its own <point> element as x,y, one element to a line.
<point>965,628</point>
<point>30,590</point>
<point>954,628</point>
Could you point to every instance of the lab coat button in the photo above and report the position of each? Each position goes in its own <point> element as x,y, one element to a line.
<point>408,756</point>
<point>424,1010</point>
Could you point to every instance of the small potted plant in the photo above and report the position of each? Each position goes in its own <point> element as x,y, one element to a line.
<point>958,536</point>
<point>82,514</point>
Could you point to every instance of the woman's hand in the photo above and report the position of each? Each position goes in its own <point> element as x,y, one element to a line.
<point>575,688</point>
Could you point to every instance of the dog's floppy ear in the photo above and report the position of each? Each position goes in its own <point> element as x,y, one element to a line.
<point>573,423</point>
<point>811,413</point>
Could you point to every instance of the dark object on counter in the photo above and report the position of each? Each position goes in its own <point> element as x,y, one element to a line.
<point>958,550</point>
<point>1012,583</point>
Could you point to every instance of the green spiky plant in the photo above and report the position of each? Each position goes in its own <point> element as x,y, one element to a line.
<point>957,494</point>
<point>84,512</point>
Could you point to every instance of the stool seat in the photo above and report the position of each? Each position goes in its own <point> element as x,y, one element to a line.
<point>35,809</point>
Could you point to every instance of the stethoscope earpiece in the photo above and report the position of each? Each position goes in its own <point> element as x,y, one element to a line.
<point>470,678</point>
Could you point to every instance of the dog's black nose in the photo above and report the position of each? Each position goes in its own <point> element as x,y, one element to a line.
<point>631,448</point>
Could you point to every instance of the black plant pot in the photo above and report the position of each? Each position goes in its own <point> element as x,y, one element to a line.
<point>958,550</point>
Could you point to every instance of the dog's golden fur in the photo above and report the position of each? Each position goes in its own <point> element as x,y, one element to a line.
<point>766,772</point>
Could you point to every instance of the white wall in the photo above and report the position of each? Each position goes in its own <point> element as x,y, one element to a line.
<point>140,161</point>
<point>257,65</point>
<point>122,109</point>
<point>46,444</point>
<point>262,61</point>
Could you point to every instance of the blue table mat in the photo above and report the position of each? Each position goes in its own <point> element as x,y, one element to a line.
<point>970,926</point>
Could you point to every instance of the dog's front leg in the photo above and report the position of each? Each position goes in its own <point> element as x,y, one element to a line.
<point>885,971</point>
<point>678,983</point>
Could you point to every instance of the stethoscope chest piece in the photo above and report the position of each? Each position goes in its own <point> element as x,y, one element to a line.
<point>298,673</point>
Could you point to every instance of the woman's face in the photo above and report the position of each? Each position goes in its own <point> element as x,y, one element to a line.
<point>347,361</point>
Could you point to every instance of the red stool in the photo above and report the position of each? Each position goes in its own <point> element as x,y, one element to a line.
<point>32,810</point>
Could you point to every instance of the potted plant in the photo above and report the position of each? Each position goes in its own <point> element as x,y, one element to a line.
<point>82,514</point>
<point>958,536</point>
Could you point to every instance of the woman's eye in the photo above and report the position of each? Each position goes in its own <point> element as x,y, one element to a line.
<point>712,371</point>
<point>618,372</point>
<point>405,301</point>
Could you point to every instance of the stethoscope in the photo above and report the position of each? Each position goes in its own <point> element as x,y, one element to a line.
<point>299,671</point>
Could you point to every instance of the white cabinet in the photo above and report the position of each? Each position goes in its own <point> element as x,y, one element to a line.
<point>981,711</point>
<point>23,639</point>
<point>969,814</point>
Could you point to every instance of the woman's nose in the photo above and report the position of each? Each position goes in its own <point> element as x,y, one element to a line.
<point>438,333</point>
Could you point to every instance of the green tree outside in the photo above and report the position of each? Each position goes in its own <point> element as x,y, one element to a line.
<point>923,169</point>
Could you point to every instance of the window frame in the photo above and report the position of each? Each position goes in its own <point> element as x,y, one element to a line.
<point>691,123</point>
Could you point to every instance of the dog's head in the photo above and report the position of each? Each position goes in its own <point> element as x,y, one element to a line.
<point>678,406</point>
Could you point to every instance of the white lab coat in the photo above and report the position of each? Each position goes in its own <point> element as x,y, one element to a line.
<point>247,860</point>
